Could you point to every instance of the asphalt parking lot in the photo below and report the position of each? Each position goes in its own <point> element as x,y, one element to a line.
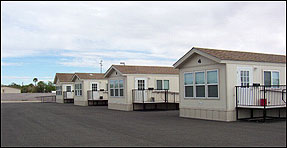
<point>51,124</point>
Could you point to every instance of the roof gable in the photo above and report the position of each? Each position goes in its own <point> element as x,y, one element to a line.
<point>88,76</point>
<point>221,55</point>
<point>132,69</point>
<point>63,77</point>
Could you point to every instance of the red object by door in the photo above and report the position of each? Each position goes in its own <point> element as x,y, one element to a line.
<point>262,102</point>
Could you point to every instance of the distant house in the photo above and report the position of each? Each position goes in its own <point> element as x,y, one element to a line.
<point>90,89</point>
<point>5,89</point>
<point>64,87</point>
<point>228,85</point>
<point>134,87</point>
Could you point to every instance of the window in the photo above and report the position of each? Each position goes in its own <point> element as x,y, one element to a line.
<point>58,90</point>
<point>188,84</point>
<point>69,88</point>
<point>94,87</point>
<point>162,84</point>
<point>199,84</point>
<point>159,84</point>
<point>112,89</point>
<point>202,84</point>
<point>116,88</point>
<point>244,77</point>
<point>121,87</point>
<point>78,89</point>
<point>271,78</point>
<point>166,85</point>
<point>212,83</point>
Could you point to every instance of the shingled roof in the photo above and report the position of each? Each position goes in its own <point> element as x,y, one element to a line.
<point>63,77</point>
<point>244,56</point>
<point>132,69</point>
<point>90,75</point>
<point>238,55</point>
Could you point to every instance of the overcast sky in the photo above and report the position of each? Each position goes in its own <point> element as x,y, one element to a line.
<point>39,39</point>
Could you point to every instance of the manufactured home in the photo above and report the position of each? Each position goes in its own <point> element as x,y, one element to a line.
<point>64,87</point>
<point>90,89</point>
<point>142,87</point>
<point>231,85</point>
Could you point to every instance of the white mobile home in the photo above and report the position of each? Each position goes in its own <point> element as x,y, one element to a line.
<point>90,89</point>
<point>228,85</point>
<point>132,87</point>
<point>64,88</point>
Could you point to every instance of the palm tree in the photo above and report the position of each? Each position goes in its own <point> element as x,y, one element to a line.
<point>35,80</point>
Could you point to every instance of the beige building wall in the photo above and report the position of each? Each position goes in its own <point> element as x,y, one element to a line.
<point>5,90</point>
<point>59,98</point>
<point>222,109</point>
<point>86,85</point>
<point>125,102</point>
<point>257,69</point>
<point>119,102</point>
<point>204,108</point>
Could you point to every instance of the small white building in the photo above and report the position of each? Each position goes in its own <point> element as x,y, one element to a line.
<point>224,85</point>
<point>90,89</point>
<point>5,89</point>
<point>130,87</point>
<point>64,87</point>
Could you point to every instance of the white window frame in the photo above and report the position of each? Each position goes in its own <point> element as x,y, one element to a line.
<point>205,84</point>
<point>78,91</point>
<point>112,89</point>
<point>271,76</point>
<point>59,90</point>
<point>200,84</point>
<point>121,88</point>
<point>118,88</point>
<point>162,84</point>
<point>213,84</point>
<point>193,76</point>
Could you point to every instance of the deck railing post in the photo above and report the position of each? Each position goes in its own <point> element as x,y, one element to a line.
<point>143,99</point>
<point>236,99</point>
<point>264,101</point>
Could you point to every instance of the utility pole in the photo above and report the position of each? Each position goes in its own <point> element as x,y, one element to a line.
<point>101,64</point>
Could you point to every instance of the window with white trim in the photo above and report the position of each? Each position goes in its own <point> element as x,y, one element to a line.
<point>78,89</point>
<point>201,84</point>
<point>212,83</point>
<point>188,85</point>
<point>271,78</point>
<point>121,87</point>
<point>244,77</point>
<point>116,88</point>
<point>58,90</point>
<point>162,84</point>
<point>94,87</point>
<point>112,88</point>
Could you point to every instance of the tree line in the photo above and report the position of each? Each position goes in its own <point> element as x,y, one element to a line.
<point>37,87</point>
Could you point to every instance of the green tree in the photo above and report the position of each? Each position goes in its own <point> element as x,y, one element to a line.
<point>41,87</point>
<point>50,87</point>
<point>35,80</point>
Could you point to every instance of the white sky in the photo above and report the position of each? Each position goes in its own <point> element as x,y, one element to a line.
<point>145,33</point>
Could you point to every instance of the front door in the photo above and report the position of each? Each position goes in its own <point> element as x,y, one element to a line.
<point>69,91</point>
<point>141,89</point>
<point>244,80</point>
<point>95,90</point>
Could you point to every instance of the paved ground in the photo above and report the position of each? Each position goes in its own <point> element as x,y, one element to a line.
<point>50,124</point>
